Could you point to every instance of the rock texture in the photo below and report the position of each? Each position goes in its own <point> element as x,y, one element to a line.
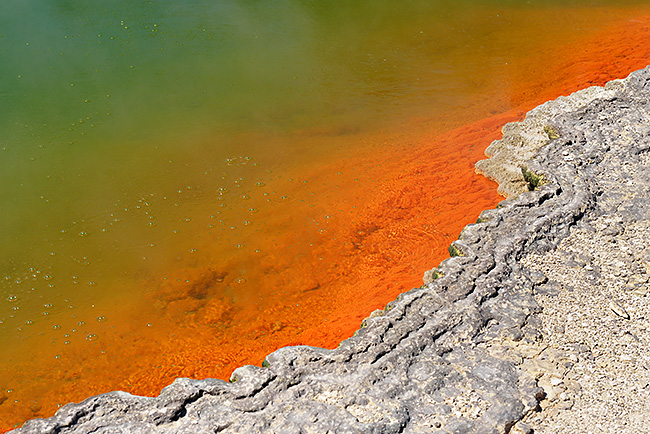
<point>469,351</point>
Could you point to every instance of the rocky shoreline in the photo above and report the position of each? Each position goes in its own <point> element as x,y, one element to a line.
<point>535,322</point>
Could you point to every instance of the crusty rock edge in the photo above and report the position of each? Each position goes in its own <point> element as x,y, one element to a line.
<point>445,357</point>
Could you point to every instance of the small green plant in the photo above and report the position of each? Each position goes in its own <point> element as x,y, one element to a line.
<point>481,220</point>
<point>533,180</point>
<point>551,132</point>
<point>266,364</point>
<point>454,251</point>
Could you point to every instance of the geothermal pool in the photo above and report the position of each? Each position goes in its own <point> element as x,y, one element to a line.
<point>188,186</point>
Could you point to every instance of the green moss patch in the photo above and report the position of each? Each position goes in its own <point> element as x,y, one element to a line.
<point>551,132</point>
<point>533,180</point>
<point>455,251</point>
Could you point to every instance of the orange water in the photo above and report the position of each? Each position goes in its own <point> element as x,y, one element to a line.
<point>302,255</point>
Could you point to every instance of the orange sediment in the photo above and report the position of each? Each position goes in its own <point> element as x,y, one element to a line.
<point>313,286</point>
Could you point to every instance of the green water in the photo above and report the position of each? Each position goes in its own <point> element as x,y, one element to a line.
<point>124,123</point>
<point>120,119</point>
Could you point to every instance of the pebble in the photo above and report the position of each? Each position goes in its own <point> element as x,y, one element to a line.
<point>521,428</point>
<point>619,310</point>
<point>637,279</point>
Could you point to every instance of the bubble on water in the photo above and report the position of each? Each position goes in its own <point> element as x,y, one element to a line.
<point>101,318</point>
<point>83,233</point>
<point>29,321</point>
<point>91,337</point>
<point>247,222</point>
<point>241,280</point>
<point>91,283</point>
<point>12,298</point>
<point>56,326</point>
<point>252,210</point>
<point>239,246</point>
<point>47,277</point>
<point>260,184</point>
<point>245,197</point>
<point>81,323</point>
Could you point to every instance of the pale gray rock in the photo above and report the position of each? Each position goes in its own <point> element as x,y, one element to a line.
<point>464,352</point>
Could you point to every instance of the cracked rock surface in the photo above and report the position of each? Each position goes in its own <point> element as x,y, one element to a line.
<point>478,348</point>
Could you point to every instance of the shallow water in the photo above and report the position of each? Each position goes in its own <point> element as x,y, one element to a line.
<point>187,186</point>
